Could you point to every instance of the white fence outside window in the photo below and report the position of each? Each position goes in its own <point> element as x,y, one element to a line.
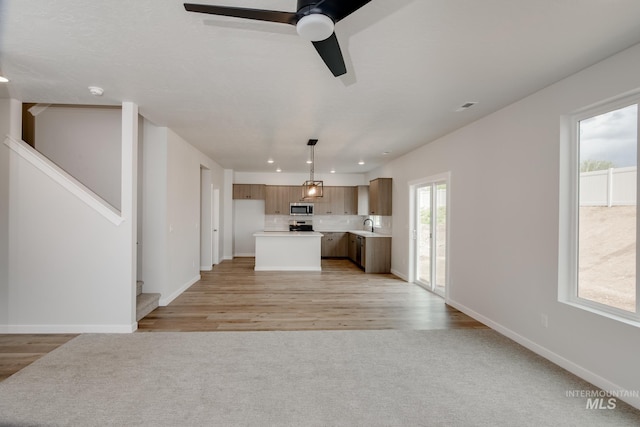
<point>610,187</point>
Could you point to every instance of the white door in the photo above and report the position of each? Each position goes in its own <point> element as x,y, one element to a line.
<point>215,222</point>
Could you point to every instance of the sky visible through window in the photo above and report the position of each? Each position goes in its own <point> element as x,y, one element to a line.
<point>611,137</point>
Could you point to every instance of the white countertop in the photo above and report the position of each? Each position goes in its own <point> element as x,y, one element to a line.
<point>362,233</point>
<point>287,234</point>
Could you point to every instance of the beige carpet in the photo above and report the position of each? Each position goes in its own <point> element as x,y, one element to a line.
<point>320,378</point>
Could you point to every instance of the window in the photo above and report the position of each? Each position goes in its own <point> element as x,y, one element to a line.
<point>602,224</point>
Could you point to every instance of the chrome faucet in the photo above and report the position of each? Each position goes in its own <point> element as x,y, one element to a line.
<point>364,224</point>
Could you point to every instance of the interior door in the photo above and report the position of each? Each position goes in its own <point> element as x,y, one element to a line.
<point>215,224</point>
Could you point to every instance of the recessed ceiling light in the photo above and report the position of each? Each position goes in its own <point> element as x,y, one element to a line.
<point>270,161</point>
<point>3,79</point>
<point>384,153</point>
<point>309,162</point>
<point>278,170</point>
<point>333,171</point>
<point>361,162</point>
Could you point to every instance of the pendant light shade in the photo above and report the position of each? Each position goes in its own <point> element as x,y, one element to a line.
<point>312,189</point>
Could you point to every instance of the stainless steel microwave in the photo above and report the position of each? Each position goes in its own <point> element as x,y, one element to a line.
<point>301,209</point>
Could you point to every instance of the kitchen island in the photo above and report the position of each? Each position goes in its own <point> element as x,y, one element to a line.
<point>287,251</point>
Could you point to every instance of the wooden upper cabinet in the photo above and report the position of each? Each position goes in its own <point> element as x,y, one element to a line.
<point>249,191</point>
<point>323,205</point>
<point>380,196</point>
<point>335,200</point>
<point>350,201</point>
<point>277,200</point>
<point>295,193</point>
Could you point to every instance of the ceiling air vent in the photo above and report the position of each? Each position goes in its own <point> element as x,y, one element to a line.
<point>466,106</point>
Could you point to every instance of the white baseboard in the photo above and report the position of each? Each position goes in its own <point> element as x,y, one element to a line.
<point>595,379</point>
<point>245,254</point>
<point>68,329</point>
<point>206,268</point>
<point>165,301</point>
<point>400,275</point>
<point>227,257</point>
<point>288,268</point>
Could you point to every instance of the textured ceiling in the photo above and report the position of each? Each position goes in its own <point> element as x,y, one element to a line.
<point>246,91</point>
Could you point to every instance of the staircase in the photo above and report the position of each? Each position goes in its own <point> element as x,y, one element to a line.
<point>145,303</point>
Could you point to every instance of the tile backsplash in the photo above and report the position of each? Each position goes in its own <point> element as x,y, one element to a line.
<point>329,222</point>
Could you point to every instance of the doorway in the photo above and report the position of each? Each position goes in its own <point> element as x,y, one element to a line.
<point>215,220</point>
<point>430,233</point>
<point>206,255</point>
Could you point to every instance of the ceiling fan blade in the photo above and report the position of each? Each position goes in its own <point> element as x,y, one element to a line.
<point>339,9</point>
<point>331,54</point>
<point>241,12</point>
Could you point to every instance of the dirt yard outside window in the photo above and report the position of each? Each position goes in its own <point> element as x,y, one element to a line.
<point>607,256</point>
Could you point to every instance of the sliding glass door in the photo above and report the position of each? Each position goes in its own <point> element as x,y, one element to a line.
<point>430,235</point>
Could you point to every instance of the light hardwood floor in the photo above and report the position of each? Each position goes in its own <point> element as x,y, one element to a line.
<point>232,297</point>
<point>20,350</point>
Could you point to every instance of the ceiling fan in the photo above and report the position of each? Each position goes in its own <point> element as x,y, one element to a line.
<point>314,21</point>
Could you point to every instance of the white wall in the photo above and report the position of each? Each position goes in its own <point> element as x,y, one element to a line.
<point>10,110</point>
<point>227,217</point>
<point>140,211</point>
<point>85,142</point>
<point>70,264</point>
<point>505,224</point>
<point>172,209</point>
<point>154,208</point>
<point>183,213</point>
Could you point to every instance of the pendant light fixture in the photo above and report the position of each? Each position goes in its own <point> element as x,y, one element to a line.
<point>312,189</point>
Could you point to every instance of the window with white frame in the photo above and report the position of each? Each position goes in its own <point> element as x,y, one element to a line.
<point>602,224</point>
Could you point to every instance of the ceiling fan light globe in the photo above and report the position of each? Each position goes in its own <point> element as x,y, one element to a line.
<point>315,27</point>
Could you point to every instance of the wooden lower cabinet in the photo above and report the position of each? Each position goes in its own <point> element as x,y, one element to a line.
<point>374,254</point>
<point>334,245</point>
<point>352,249</point>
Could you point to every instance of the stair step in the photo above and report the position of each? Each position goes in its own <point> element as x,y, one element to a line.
<point>145,304</point>
<point>139,284</point>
